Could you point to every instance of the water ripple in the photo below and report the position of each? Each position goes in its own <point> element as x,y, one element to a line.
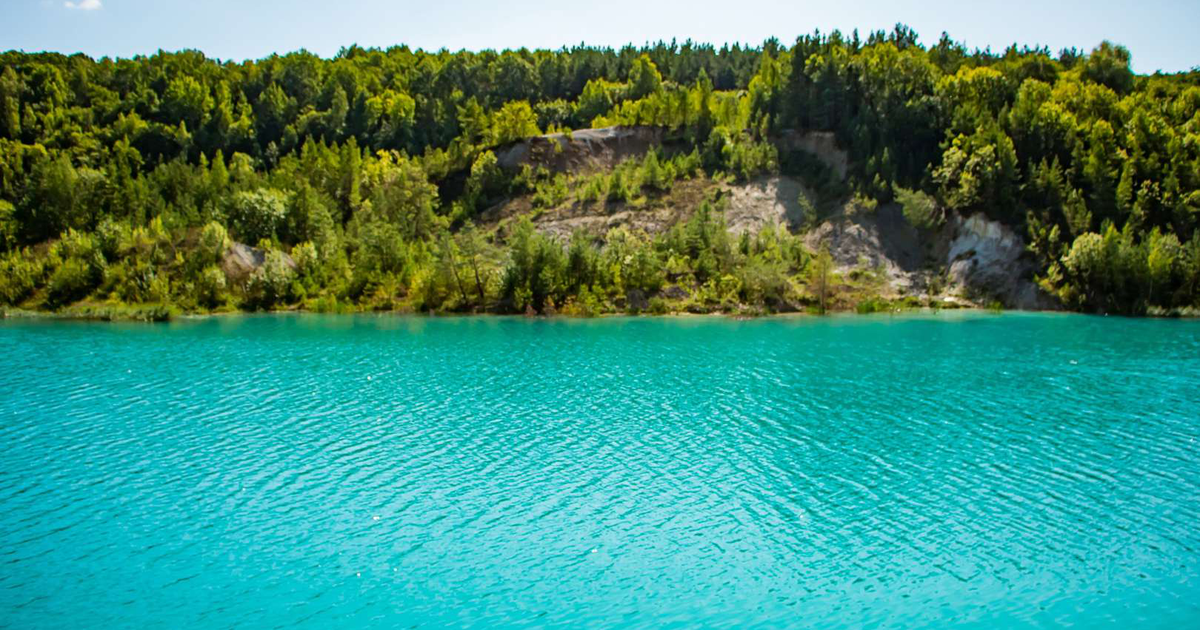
<point>312,471</point>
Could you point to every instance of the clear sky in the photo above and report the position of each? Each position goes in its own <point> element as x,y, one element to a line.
<point>1162,34</point>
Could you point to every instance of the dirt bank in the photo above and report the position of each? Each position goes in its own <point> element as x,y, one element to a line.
<point>969,260</point>
<point>581,151</point>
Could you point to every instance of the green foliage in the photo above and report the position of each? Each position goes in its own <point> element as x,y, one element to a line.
<point>1108,65</point>
<point>514,121</point>
<point>1113,272</point>
<point>257,214</point>
<point>551,192</point>
<point>653,175</point>
<point>485,182</point>
<point>920,209</point>
<point>979,172</point>
<point>20,275</point>
<point>381,255</point>
<point>210,286</point>
<point>73,280</point>
<point>630,263</point>
<point>400,195</point>
<point>598,97</point>
<point>118,178</point>
<point>270,285</point>
<point>8,226</point>
<point>747,159</point>
<point>810,217</point>
<point>309,218</point>
<point>764,281</point>
<point>79,269</point>
<point>534,276</point>
<point>644,78</point>
<point>214,241</point>
<point>871,305</point>
<point>821,278</point>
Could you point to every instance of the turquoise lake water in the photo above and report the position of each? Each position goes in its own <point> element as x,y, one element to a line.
<point>965,470</point>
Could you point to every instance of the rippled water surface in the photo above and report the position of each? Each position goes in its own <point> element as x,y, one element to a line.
<point>322,472</point>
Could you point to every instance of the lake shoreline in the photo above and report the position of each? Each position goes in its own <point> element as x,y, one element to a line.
<point>156,314</point>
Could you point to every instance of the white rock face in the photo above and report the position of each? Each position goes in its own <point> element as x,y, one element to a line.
<point>822,144</point>
<point>987,258</point>
<point>766,201</point>
<point>581,151</point>
<point>987,241</point>
<point>241,261</point>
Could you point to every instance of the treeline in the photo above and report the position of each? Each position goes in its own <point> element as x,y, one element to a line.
<point>363,176</point>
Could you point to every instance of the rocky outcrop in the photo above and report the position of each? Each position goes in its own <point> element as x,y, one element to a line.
<point>579,151</point>
<point>966,259</point>
<point>822,144</point>
<point>987,260</point>
<point>241,261</point>
<point>772,200</point>
<point>972,257</point>
<point>878,240</point>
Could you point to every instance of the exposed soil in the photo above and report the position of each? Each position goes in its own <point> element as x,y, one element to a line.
<point>881,240</point>
<point>822,144</point>
<point>972,260</point>
<point>766,201</point>
<point>582,151</point>
<point>654,216</point>
<point>241,261</point>
<point>968,260</point>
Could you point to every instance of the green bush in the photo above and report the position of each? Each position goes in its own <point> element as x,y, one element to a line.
<point>213,243</point>
<point>20,274</point>
<point>80,270</point>
<point>210,286</point>
<point>872,305</point>
<point>9,227</point>
<point>258,214</point>
<point>920,209</point>
<point>809,217</point>
<point>72,281</point>
<point>269,285</point>
<point>552,192</point>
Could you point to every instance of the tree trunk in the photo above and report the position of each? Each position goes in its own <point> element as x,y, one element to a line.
<point>478,280</point>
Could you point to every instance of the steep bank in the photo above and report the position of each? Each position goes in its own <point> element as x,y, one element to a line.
<point>972,260</point>
<point>582,151</point>
<point>405,179</point>
<point>967,260</point>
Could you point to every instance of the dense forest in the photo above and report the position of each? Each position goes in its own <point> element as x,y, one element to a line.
<point>361,179</point>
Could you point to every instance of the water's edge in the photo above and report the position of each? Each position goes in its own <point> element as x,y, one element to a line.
<point>135,316</point>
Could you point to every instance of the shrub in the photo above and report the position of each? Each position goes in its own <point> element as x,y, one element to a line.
<point>763,281</point>
<point>307,260</point>
<point>871,305</point>
<point>72,281</point>
<point>20,274</point>
<point>920,209</point>
<point>550,193</point>
<point>595,188</point>
<point>210,286</point>
<point>809,217</point>
<point>80,271</point>
<point>214,240</point>
<point>8,225</point>
<point>269,285</point>
<point>258,214</point>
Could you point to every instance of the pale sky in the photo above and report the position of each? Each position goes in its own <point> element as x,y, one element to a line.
<point>1161,34</point>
